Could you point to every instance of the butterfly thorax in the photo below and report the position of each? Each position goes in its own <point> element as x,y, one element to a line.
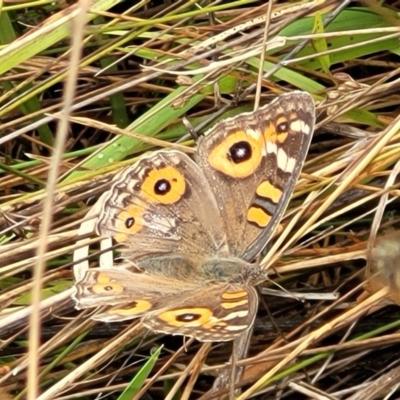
<point>232,270</point>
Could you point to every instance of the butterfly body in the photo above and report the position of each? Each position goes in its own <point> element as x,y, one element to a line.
<point>191,229</point>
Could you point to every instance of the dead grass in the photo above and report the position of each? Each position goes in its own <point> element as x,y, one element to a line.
<point>75,112</point>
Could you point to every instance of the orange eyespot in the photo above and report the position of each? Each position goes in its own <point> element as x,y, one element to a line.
<point>109,288</point>
<point>187,317</point>
<point>277,131</point>
<point>128,222</point>
<point>239,154</point>
<point>165,185</point>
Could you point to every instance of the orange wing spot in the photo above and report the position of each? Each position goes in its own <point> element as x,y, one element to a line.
<point>270,133</point>
<point>234,295</point>
<point>220,157</point>
<point>102,278</point>
<point>186,317</point>
<point>234,304</point>
<point>269,191</point>
<point>165,185</point>
<point>281,137</point>
<point>128,222</point>
<point>274,131</point>
<point>138,307</point>
<point>258,216</point>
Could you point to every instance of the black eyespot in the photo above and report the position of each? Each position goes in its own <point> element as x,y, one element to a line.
<point>240,152</point>
<point>129,222</point>
<point>162,187</point>
<point>188,317</point>
<point>108,288</point>
<point>283,127</point>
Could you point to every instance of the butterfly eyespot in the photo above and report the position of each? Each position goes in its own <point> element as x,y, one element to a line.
<point>192,316</point>
<point>240,152</point>
<point>239,155</point>
<point>114,288</point>
<point>277,131</point>
<point>188,317</point>
<point>162,187</point>
<point>282,127</point>
<point>129,222</point>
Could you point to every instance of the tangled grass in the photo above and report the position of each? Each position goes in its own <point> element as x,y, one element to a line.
<point>87,88</point>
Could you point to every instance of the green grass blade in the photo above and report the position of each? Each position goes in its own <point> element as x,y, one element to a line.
<point>138,381</point>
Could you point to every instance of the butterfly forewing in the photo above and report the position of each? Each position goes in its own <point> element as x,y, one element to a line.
<point>163,205</point>
<point>252,162</point>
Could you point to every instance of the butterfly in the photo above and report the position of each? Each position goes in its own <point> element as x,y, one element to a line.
<point>190,229</point>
